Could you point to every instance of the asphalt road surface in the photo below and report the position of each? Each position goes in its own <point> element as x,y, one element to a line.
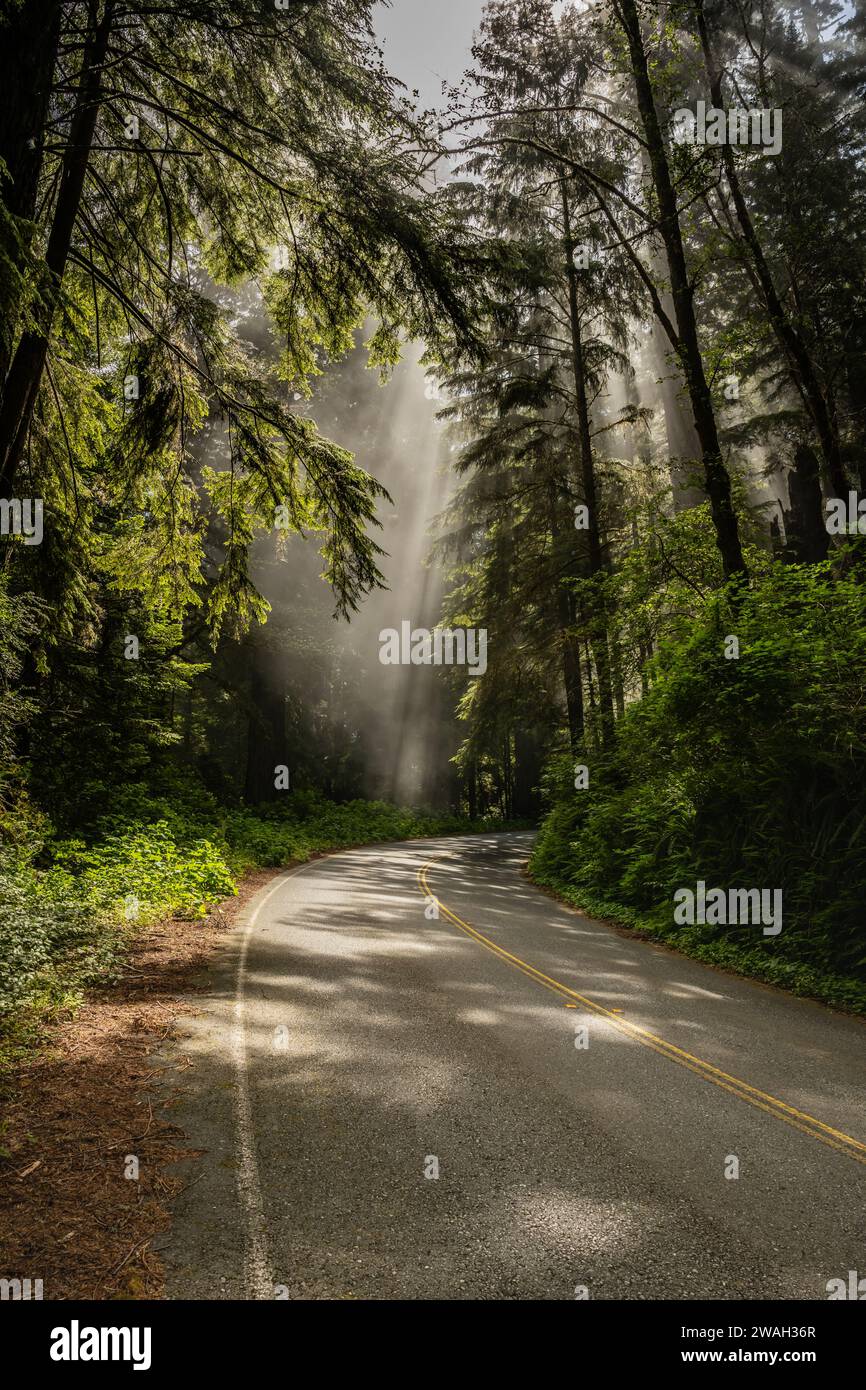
<point>582,1096</point>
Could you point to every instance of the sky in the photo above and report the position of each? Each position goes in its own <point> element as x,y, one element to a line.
<point>427,41</point>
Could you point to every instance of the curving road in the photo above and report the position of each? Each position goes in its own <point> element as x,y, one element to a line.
<point>352,1044</point>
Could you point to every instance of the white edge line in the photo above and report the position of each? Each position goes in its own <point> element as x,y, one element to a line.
<point>258,1279</point>
<point>258,1276</point>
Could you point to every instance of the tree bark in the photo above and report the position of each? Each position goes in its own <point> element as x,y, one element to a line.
<point>29,37</point>
<point>597,565</point>
<point>266,728</point>
<point>718,483</point>
<point>790,339</point>
<point>806,539</point>
<point>25,374</point>
<point>684,447</point>
<point>528,764</point>
<point>565,619</point>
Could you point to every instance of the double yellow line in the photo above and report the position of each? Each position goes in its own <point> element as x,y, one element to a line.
<point>797,1119</point>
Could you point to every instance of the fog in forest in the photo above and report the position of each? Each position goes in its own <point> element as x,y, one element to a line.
<point>390,730</point>
<point>308,678</point>
<point>390,721</point>
<point>314,680</point>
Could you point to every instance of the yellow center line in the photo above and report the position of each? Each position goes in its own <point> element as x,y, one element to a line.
<point>797,1119</point>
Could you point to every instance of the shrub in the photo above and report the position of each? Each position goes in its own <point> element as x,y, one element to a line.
<point>63,903</point>
<point>748,772</point>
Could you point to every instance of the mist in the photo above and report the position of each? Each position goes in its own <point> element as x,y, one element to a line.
<point>316,678</point>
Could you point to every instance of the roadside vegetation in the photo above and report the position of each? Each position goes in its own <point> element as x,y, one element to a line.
<point>71,907</point>
<point>737,772</point>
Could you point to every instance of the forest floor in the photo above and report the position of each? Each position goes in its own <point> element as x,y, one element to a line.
<point>69,1214</point>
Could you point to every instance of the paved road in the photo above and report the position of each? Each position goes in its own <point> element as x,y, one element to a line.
<point>349,1040</point>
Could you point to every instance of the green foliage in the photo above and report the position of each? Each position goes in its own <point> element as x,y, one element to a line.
<point>743,773</point>
<point>307,823</point>
<point>149,864</point>
<point>53,940</point>
<point>19,621</point>
<point>64,904</point>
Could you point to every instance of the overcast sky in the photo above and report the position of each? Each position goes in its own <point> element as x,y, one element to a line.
<point>427,41</point>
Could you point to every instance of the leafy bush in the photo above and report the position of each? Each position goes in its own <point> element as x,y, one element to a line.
<point>52,940</point>
<point>743,773</point>
<point>65,904</point>
<point>145,862</point>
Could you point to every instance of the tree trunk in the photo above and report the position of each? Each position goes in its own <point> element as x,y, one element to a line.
<point>684,447</point>
<point>29,36</point>
<point>472,789</point>
<point>565,620</point>
<point>528,763</point>
<point>806,538</point>
<point>718,483</point>
<point>266,731</point>
<point>791,341</point>
<point>25,374</point>
<point>597,564</point>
